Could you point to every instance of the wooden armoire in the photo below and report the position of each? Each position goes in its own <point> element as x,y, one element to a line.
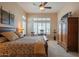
<point>68,33</point>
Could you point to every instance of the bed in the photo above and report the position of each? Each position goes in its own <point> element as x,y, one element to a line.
<point>29,46</point>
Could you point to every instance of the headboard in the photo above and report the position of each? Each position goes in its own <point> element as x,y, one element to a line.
<point>7,29</point>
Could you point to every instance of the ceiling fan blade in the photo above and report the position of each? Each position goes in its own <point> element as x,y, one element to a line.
<point>48,7</point>
<point>40,4</point>
<point>45,3</point>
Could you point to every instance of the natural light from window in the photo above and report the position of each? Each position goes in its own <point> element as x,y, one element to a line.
<point>41,25</point>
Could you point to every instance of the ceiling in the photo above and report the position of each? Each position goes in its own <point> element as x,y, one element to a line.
<point>30,8</point>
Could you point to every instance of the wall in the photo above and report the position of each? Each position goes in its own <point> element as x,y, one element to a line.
<point>73,7</point>
<point>16,10</point>
<point>53,17</point>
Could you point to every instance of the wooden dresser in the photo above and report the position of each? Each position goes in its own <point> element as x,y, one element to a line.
<point>68,33</point>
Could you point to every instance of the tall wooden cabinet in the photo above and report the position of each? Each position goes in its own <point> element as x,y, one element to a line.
<point>68,33</point>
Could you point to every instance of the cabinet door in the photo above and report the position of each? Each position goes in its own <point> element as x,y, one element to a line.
<point>73,33</point>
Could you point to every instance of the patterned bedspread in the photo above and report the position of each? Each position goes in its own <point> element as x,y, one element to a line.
<point>21,47</point>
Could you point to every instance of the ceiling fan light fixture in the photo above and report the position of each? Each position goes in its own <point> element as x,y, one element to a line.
<point>42,8</point>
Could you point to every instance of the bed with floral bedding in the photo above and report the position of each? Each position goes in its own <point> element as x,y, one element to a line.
<point>26,46</point>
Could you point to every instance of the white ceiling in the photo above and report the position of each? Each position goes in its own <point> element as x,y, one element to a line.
<point>30,8</point>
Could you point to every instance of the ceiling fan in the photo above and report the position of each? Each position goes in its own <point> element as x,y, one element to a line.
<point>43,6</point>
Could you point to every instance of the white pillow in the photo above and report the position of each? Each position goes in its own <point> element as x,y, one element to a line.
<point>2,39</point>
<point>10,35</point>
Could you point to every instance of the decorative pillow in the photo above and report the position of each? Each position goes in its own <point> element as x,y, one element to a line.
<point>19,34</point>
<point>2,39</point>
<point>10,35</point>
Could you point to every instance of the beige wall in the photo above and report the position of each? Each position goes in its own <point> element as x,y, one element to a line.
<point>16,10</point>
<point>53,17</point>
<point>73,7</point>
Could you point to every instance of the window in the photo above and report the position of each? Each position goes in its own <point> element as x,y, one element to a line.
<point>41,25</point>
<point>35,27</point>
<point>24,24</point>
<point>48,28</point>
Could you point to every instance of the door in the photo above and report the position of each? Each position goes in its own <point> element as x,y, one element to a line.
<point>64,32</point>
<point>60,32</point>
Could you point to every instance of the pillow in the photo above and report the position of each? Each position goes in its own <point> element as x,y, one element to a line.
<point>10,35</point>
<point>2,39</point>
<point>19,34</point>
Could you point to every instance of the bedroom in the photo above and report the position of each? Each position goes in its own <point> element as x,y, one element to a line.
<point>30,20</point>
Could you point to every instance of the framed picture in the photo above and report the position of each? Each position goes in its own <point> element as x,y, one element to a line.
<point>0,15</point>
<point>12,19</point>
<point>5,17</point>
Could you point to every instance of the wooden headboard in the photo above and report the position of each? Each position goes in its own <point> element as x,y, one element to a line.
<point>7,29</point>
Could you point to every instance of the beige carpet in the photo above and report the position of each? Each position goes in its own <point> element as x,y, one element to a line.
<point>55,50</point>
